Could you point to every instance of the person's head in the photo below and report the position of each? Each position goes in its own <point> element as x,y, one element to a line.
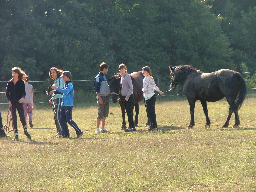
<point>27,79</point>
<point>104,68</point>
<point>55,73</point>
<point>146,71</point>
<point>122,68</point>
<point>17,73</point>
<point>66,76</point>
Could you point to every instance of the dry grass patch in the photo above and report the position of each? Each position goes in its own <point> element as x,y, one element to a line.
<point>172,159</point>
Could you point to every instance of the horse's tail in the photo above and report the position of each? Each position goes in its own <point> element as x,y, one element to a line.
<point>243,91</point>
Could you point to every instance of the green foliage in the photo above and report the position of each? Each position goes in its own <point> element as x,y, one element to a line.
<point>78,35</point>
<point>249,78</point>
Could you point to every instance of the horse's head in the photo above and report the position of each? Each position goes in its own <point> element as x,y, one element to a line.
<point>48,92</point>
<point>180,73</point>
<point>174,82</point>
<point>114,86</point>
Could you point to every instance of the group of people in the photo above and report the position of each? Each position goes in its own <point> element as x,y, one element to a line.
<point>19,93</point>
<point>127,97</point>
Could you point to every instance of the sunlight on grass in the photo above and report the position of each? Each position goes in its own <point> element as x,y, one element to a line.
<point>172,159</point>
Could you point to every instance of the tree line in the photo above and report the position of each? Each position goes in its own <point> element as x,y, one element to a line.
<point>78,35</point>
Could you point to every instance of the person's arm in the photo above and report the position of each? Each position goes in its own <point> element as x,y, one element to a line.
<point>97,84</point>
<point>23,91</point>
<point>66,90</point>
<point>157,89</point>
<point>129,81</point>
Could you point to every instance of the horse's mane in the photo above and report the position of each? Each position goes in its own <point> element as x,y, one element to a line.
<point>187,69</point>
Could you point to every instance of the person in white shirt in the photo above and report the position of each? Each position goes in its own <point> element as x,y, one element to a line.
<point>148,89</point>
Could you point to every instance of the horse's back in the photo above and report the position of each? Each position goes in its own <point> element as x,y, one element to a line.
<point>137,78</point>
<point>203,86</point>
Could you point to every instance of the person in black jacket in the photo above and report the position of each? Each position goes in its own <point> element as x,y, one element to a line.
<point>15,94</point>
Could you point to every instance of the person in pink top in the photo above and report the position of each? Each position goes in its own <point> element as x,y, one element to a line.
<point>28,102</point>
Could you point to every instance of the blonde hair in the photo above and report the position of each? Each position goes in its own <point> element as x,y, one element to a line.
<point>21,73</point>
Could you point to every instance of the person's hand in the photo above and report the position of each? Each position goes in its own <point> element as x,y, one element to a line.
<point>161,92</point>
<point>21,100</point>
<point>126,99</point>
<point>50,101</point>
<point>53,87</point>
<point>33,105</point>
<point>10,104</point>
<point>101,101</point>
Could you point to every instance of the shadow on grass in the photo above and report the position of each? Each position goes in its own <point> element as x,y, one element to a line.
<point>238,128</point>
<point>165,129</point>
<point>42,128</point>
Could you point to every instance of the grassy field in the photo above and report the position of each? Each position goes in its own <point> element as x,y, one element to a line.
<point>172,159</point>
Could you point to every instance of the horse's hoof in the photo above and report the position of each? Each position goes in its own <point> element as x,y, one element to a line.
<point>235,126</point>
<point>190,126</point>
<point>225,126</point>
<point>207,126</point>
<point>123,127</point>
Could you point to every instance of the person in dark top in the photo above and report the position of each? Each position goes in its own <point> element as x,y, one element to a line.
<point>15,94</point>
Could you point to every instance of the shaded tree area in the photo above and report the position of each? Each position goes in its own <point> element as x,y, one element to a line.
<point>78,35</point>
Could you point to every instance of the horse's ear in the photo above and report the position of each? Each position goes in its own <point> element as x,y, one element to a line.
<point>171,69</point>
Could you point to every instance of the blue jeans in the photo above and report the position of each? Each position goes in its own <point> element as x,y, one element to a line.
<point>66,117</point>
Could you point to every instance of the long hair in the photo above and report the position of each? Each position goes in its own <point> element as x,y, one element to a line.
<point>147,68</point>
<point>21,73</point>
<point>58,71</point>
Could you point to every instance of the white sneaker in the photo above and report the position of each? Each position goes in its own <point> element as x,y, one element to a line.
<point>104,130</point>
<point>97,130</point>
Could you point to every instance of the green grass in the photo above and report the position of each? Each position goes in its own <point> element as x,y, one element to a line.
<point>172,159</point>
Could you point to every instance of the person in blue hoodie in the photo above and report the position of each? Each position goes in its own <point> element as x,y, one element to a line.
<point>67,105</point>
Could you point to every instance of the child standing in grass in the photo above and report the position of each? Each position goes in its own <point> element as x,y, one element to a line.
<point>15,94</point>
<point>28,102</point>
<point>102,90</point>
<point>148,89</point>
<point>67,105</point>
<point>56,98</point>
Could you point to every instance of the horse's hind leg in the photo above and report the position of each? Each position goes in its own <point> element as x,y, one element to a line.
<point>204,104</point>
<point>137,109</point>
<point>231,102</point>
<point>237,121</point>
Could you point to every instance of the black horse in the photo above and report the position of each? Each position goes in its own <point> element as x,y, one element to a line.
<point>210,87</point>
<point>115,89</point>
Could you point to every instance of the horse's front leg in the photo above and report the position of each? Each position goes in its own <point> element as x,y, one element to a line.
<point>192,110</point>
<point>123,114</point>
<point>204,104</point>
<point>137,108</point>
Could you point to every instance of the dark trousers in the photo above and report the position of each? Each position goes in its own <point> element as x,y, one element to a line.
<point>150,108</point>
<point>66,117</point>
<point>56,106</point>
<point>129,109</point>
<point>19,107</point>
